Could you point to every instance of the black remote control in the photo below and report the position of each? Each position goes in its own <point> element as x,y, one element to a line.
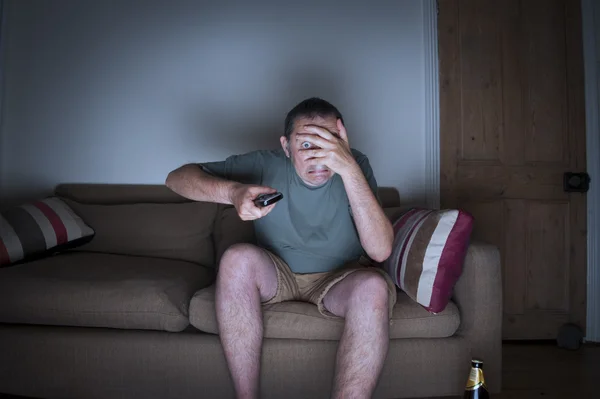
<point>267,199</point>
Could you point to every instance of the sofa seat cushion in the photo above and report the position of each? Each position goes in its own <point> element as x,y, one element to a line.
<point>300,320</point>
<point>101,290</point>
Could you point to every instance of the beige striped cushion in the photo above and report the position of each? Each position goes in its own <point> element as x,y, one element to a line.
<point>39,228</point>
<point>429,250</point>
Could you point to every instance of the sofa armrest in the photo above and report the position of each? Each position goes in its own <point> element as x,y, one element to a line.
<point>478,295</point>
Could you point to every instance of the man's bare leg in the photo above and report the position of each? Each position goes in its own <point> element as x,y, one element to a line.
<point>362,299</point>
<point>246,277</point>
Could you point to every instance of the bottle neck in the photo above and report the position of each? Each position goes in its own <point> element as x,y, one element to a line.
<point>476,379</point>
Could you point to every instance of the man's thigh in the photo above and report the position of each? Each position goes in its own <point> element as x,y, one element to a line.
<point>287,287</point>
<point>333,294</point>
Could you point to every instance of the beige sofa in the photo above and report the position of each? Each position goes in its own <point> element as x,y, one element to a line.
<point>111,319</point>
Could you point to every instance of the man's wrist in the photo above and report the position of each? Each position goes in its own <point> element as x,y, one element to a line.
<point>231,190</point>
<point>352,171</point>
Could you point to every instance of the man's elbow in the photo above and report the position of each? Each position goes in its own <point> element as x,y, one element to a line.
<point>385,248</point>
<point>382,254</point>
<point>171,177</point>
<point>175,177</point>
<point>383,251</point>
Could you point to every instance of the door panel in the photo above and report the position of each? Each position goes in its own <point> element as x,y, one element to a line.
<point>547,255</point>
<point>515,258</point>
<point>512,123</point>
<point>545,87</point>
<point>482,93</point>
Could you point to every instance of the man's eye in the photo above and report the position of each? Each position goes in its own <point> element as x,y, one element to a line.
<point>305,145</point>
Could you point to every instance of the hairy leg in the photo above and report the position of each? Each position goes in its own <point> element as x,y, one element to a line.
<point>362,299</point>
<point>246,277</point>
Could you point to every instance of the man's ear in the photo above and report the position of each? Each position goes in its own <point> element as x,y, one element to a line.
<point>285,144</point>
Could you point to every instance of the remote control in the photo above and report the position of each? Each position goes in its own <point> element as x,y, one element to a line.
<point>267,199</point>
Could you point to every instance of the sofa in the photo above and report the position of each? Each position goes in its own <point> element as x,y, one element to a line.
<point>130,314</point>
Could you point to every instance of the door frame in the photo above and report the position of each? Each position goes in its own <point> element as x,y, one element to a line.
<point>590,10</point>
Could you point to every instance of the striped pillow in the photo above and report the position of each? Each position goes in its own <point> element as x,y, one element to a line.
<point>429,250</point>
<point>39,228</point>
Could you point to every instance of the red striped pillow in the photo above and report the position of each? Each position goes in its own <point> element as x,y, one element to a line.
<point>39,228</point>
<point>429,250</point>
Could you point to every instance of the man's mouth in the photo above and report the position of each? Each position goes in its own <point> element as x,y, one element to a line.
<point>318,171</point>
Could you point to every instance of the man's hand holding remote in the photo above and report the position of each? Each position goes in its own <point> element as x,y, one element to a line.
<point>243,196</point>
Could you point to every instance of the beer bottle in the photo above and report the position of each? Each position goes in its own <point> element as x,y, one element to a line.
<point>476,388</point>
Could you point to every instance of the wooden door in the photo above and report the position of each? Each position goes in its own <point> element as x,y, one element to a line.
<point>512,123</point>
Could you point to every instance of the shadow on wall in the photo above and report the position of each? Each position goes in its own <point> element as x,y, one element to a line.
<point>222,126</point>
<point>25,187</point>
<point>28,192</point>
<point>237,129</point>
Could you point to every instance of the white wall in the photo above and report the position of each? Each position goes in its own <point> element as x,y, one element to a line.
<point>125,91</point>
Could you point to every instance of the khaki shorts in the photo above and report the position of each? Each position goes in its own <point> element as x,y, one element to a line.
<point>313,287</point>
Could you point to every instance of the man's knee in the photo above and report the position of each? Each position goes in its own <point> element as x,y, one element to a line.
<point>239,261</point>
<point>246,265</point>
<point>371,290</point>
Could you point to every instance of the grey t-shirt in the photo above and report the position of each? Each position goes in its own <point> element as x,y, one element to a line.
<point>311,228</point>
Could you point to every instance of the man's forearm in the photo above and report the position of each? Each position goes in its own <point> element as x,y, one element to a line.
<point>374,228</point>
<point>190,181</point>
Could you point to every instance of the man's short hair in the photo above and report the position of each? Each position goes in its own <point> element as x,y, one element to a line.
<point>310,108</point>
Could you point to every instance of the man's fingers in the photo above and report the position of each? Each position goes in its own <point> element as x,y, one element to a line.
<point>316,161</point>
<point>318,130</point>
<point>248,209</point>
<point>256,212</point>
<point>265,211</point>
<point>254,192</point>
<point>314,153</point>
<point>314,139</point>
<point>342,129</point>
<point>246,216</point>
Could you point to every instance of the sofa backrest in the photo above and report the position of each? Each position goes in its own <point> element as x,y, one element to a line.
<point>111,194</point>
<point>143,220</point>
<point>151,220</point>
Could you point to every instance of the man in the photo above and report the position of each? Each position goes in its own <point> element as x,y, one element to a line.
<point>314,245</point>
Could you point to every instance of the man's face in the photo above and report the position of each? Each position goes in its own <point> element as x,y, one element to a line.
<point>313,175</point>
